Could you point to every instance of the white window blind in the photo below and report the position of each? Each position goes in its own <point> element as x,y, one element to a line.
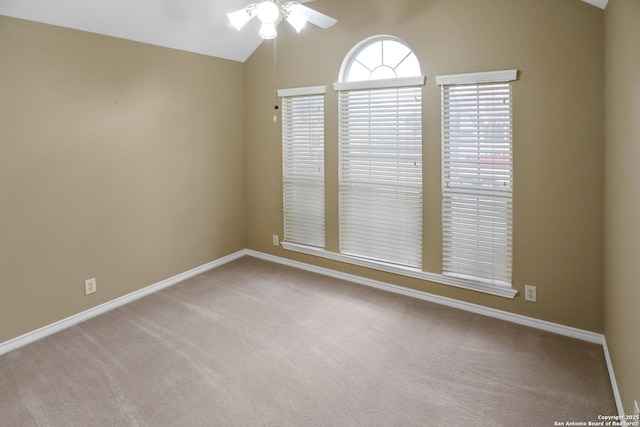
<point>477,166</point>
<point>303,167</point>
<point>380,140</point>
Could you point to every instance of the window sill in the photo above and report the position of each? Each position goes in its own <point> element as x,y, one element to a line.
<point>501,291</point>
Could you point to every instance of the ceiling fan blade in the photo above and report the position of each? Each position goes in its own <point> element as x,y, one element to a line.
<point>315,17</point>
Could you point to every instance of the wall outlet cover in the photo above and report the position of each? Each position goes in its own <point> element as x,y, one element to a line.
<point>530,293</point>
<point>90,286</point>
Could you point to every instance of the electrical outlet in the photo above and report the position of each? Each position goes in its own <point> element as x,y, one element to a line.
<point>530,293</point>
<point>90,286</point>
<point>275,240</point>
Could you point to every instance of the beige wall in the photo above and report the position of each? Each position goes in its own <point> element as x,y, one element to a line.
<point>622,201</point>
<point>128,162</point>
<point>559,131</point>
<point>118,160</point>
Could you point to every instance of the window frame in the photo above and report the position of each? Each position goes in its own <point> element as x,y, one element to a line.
<point>380,174</point>
<point>375,115</point>
<point>353,54</point>
<point>477,210</point>
<point>303,223</point>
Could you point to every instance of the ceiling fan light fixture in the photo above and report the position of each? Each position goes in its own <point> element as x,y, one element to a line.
<point>239,18</point>
<point>268,30</point>
<point>268,12</point>
<point>297,21</point>
<point>271,12</point>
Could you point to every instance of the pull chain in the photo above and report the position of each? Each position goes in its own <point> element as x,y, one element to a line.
<point>276,107</point>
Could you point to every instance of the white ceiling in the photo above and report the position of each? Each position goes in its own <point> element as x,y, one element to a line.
<point>602,4</point>
<point>199,26</point>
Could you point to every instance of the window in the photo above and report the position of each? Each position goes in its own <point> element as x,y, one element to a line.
<point>477,176</point>
<point>380,182</point>
<point>303,165</point>
<point>380,149</point>
<point>380,58</point>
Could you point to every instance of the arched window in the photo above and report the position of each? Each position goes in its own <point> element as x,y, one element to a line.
<point>380,57</point>
<point>380,148</point>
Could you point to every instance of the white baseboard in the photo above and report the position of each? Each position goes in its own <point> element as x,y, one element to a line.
<point>568,331</point>
<point>450,302</point>
<point>51,329</point>
<point>612,377</point>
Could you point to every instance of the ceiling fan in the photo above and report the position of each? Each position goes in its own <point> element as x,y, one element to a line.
<point>271,12</point>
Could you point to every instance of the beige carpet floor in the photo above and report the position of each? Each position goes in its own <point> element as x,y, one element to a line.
<point>254,343</point>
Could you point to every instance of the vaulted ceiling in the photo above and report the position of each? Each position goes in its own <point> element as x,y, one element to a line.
<point>199,26</point>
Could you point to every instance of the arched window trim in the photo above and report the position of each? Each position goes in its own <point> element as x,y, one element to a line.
<point>355,52</point>
<point>344,84</point>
